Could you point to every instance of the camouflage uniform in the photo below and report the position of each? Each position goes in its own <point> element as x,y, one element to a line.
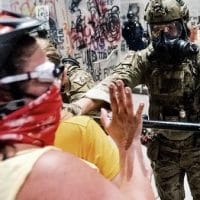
<point>80,82</point>
<point>174,89</point>
<point>174,153</point>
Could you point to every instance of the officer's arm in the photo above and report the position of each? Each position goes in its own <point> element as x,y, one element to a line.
<point>97,96</point>
<point>128,71</point>
<point>87,104</point>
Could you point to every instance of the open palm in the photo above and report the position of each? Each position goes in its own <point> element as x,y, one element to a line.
<point>125,125</point>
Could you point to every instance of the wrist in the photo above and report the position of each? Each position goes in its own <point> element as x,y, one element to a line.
<point>123,145</point>
<point>73,108</point>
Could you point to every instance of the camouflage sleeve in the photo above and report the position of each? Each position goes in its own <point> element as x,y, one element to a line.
<point>80,81</point>
<point>130,71</point>
<point>197,66</point>
<point>198,58</point>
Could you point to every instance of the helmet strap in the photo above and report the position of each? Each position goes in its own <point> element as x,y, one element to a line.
<point>185,32</point>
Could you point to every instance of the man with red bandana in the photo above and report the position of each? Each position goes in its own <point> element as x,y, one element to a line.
<point>29,115</point>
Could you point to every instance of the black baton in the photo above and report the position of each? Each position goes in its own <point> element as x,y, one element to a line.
<point>184,126</point>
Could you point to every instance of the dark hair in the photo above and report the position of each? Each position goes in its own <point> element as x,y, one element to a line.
<point>22,50</point>
<point>42,33</point>
<point>50,50</point>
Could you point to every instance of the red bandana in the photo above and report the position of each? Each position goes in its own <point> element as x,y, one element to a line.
<point>34,123</point>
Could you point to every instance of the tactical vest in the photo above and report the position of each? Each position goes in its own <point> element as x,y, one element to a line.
<point>175,94</point>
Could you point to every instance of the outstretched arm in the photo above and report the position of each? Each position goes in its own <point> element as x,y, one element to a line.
<point>87,104</point>
<point>125,129</point>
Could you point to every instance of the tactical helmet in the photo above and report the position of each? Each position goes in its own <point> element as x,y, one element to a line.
<point>12,27</point>
<point>159,11</point>
<point>130,15</point>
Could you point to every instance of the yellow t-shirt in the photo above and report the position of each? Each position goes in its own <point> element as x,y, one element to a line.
<point>83,137</point>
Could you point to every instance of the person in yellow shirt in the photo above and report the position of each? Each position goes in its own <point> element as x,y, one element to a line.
<point>30,168</point>
<point>81,135</point>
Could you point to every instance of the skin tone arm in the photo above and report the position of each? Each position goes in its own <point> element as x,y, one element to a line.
<point>88,104</point>
<point>125,129</point>
<point>59,175</point>
<point>57,167</point>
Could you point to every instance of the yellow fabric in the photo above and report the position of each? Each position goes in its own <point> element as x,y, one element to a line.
<point>83,137</point>
<point>14,171</point>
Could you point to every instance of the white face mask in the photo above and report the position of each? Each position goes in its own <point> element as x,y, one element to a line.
<point>46,72</point>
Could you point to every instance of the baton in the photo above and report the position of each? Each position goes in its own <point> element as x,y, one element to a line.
<point>184,126</point>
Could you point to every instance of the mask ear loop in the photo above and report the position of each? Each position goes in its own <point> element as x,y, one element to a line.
<point>162,37</point>
<point>149,31</point>
<point>185,31</point>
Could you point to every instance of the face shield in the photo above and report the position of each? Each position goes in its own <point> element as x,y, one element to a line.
<point>171,30</point>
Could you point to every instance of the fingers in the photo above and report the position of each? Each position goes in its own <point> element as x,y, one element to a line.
<point>140,109</point>
<point>139,112</point>
<point>105,120</point>
<point>129,102</point>
<point>127,122</point>
<point>120,98</point>
<point>113,99</point>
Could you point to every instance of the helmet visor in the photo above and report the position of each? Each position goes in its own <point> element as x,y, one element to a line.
<point>171,30</point>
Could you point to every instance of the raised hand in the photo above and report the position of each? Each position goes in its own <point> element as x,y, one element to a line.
<point>125,125</point>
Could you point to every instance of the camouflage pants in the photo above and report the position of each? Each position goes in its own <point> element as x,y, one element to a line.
<point>171,161</point>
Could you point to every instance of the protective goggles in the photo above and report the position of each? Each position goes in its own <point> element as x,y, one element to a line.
<point>172,30</point>
<point>46,72</point>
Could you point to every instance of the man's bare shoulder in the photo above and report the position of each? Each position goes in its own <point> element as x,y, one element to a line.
<point>59,175</point>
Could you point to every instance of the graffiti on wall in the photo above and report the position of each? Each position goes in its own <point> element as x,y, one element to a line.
<point>95,30</point>
<point>38,8</point>
<point>89,30</point>
<point>102,69</point>
<point>25,7</point>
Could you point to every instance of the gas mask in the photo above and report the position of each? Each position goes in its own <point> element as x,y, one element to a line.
<point>168,46</point>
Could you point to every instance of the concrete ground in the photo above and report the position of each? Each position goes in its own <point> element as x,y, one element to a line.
<point>137,98</point>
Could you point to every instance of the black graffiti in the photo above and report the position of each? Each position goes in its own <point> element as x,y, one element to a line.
<point>107,71</point>
<point>78,27</point>
<point>97,73</point>
<point>97,70</point>
<point>74,5</point>
<point>111,48</point>
<point>111,24</point>
<point>57,36</point>
<point>105,22</point>
<point>104,25</point>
